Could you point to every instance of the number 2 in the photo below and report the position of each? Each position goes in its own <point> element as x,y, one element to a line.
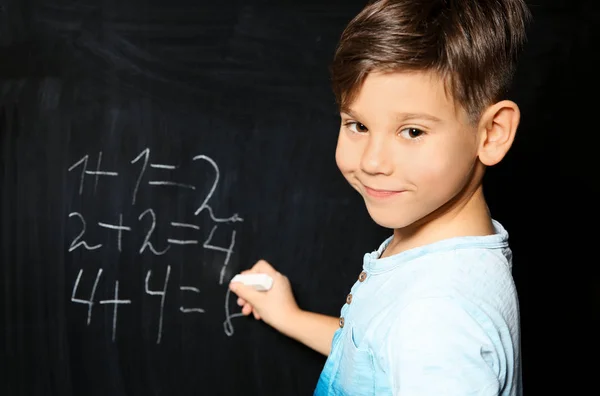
<point>147,242</point>
<point>76,242</point>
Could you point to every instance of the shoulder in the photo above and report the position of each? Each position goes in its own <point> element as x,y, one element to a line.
<point>472,287</point>
<point>481,276</point>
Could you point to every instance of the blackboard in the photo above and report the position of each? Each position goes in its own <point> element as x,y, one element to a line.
<point>151,149</point>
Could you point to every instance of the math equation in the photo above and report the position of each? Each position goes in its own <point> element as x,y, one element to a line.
<point>87,172</point>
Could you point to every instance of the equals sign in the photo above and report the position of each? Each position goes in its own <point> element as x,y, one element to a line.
<point>183,241</point>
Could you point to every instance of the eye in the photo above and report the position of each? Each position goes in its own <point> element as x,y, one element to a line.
<point>356,127</point>
<point>411,133</point>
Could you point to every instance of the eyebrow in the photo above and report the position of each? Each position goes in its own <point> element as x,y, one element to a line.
<point>400,116</point>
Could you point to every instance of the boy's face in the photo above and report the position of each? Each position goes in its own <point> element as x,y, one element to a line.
<point>405,147</point>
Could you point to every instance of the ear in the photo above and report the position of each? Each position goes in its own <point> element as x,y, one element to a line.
<point>497,128</point>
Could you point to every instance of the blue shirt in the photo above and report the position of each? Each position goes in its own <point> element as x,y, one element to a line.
<point>441,319</point>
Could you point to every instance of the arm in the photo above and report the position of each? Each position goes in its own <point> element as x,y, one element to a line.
<point>312,329</point>
<point>277,307</point>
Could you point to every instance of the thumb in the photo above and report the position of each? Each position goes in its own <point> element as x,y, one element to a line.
<point>247,293</point>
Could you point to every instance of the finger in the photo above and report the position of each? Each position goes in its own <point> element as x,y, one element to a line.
<point>247,309</point>
<point>255,315</point>
<point>246,293</point>
<point>263,266</point>
<point>241,301</point>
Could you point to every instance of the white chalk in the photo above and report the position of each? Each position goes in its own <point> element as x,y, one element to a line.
<point>260,282</point>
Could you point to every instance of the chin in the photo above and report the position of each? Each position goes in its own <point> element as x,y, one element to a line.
<point>393,221</point>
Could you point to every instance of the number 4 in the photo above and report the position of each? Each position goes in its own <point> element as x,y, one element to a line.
<point>90,302</point>
<point>228,250</point>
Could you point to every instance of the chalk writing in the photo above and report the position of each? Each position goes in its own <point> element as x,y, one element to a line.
<point>182,234</point>
<point>188,310</point>
<point>145,154</point>
<point>76,242</point>
<point>149,234</point>
<point>97,173</point>
<point>228,327</point>
<point>204,204</point>
<point>120,228</point>
<point>90,302</point>
<point>116,302</point>
<point>228,250</point>
<point>162,295</point>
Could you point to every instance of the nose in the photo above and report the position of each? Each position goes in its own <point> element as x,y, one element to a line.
<point>376,158</point>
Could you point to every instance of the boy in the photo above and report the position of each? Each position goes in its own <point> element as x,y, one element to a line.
<point>420,86</point>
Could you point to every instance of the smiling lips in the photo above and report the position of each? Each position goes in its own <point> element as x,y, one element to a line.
<point>381,193</point>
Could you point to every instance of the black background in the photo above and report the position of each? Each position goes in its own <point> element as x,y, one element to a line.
<point>244,83</point>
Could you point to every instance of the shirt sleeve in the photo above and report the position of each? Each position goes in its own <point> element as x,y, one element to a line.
<point>436,347</point>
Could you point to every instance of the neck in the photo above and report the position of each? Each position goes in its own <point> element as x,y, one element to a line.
<point>465,215</point>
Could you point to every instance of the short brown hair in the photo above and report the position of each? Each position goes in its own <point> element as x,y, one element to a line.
<point>472,44</point>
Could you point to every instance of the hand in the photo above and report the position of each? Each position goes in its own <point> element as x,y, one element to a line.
<point>275,306</point>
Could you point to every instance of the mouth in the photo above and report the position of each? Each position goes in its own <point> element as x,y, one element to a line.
<point>381,194</point>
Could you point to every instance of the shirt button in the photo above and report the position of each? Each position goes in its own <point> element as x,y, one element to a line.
<point>349,298</point>
<point>362,276</point>
<point>342,321</point>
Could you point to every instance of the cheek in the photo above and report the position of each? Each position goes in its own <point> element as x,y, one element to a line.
<point>429,172</point>
<point>345,156</point>
<point>445,169</point>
